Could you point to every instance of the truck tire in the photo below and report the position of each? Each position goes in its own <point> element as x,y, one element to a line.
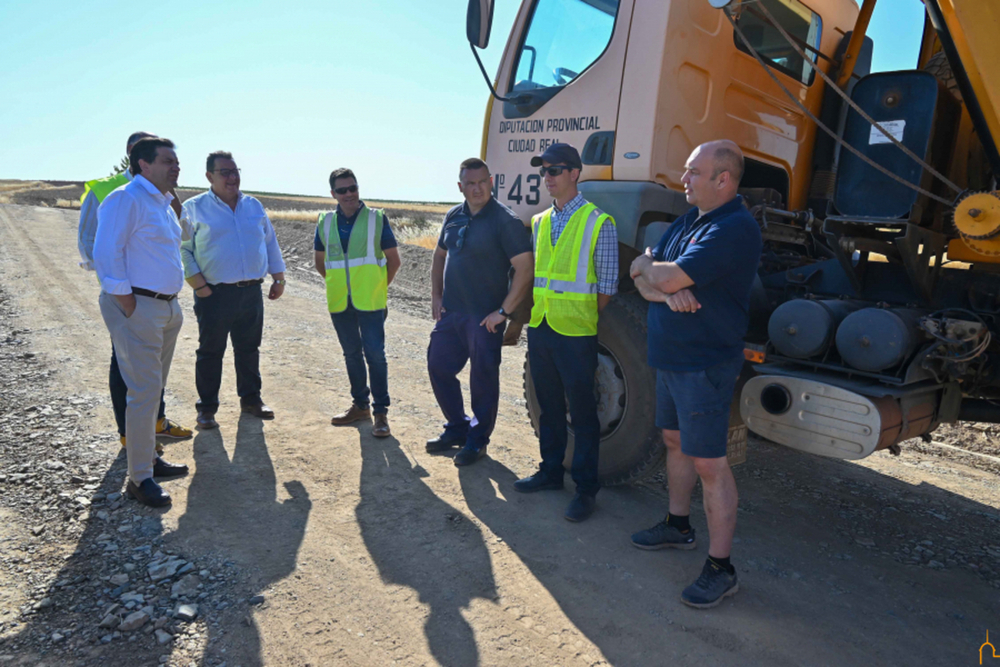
<point>631,445</point>
<point>939,66</point>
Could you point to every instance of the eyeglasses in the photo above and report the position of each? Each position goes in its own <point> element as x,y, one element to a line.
<point>553,171</point>
<point>461,236</point>
<point>344,191</point>
<point>226,173</point>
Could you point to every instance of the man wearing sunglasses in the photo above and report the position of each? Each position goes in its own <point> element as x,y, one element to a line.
<point>229,247</point>
<point>698,281</point>
<point>576,274</point>
<point>472,295</point>
<point>357,256</point>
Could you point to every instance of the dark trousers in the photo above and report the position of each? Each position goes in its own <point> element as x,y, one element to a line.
<point>119,394</point>
<point>228,312</point>
<point>362,337</point>
<point>455,340</point>
<point>563,367</point>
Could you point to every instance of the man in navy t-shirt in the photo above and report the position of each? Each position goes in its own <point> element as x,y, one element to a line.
<point>698,281</point>
<point>472,295</point>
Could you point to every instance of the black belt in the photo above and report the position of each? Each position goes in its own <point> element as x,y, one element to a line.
<point>243,283</point>
<point>156,295</point>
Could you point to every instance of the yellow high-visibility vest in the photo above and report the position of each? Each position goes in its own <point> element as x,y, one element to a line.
<point>565,289</point>
<point>361,278</point>
<point>102,187</point>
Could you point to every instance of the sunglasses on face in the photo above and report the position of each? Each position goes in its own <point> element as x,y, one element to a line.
<point>553,171</point>
<point>226,173</point>
<point>344,191</point>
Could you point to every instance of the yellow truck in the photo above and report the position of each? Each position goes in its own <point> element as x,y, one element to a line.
<point>878,299</point>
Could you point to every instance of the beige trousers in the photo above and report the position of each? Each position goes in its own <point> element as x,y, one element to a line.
<point>144,344</point>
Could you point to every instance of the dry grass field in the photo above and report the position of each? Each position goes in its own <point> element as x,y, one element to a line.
<point>416,223</point>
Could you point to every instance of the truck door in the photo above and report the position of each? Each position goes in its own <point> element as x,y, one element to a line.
<point>563,62</point>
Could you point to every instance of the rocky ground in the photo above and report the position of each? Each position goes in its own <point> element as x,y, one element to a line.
<point>296,544</point>
<point>92,580</point>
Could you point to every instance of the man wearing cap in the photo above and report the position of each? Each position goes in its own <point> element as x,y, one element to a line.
<point>355,252</point>
<point>138,261</point>
<point>94,193</point>
<point>576,274</point>
<point>698,281</point>
<point>472,296</point>
<point>229,247</point>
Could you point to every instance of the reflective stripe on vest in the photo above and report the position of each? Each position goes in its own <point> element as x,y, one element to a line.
<point>102,187</point>
<point>569,306</point>
<point>360,278</point>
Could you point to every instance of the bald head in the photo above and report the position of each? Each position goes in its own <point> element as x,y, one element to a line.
<point>727,156</point>
<point>712,174</point>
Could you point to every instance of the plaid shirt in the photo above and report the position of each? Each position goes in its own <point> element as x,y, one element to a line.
<point>606,252</point>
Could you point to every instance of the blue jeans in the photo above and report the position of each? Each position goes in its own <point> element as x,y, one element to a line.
<point>456,339</point>
<point>563,367</point>
<point>362,338</point>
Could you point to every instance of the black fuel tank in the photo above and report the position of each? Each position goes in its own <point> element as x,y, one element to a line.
<point>873,339</point>
<point>803,329</point>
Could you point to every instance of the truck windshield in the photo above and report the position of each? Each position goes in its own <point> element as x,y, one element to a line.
<point>563,39</point>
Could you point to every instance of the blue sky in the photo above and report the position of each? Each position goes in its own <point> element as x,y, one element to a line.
<point>294,89</point>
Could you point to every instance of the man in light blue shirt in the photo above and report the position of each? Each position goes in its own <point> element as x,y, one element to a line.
<point>230,246</point>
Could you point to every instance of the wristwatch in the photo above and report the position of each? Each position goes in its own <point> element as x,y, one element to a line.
<point>503,312</point>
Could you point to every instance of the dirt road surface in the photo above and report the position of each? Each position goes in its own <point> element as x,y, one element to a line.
<point>372,552</point>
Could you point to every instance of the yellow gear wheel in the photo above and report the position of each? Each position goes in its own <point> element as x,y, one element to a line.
<point>977,216</point>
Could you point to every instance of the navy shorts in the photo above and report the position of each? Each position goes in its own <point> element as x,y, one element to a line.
<point>696,403</point>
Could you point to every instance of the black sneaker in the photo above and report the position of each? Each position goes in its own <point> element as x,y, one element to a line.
<point>444,442</point>
<point>538,482</point>
<point>663,536</point>
<point>469,455</point>
<point>714,585</point>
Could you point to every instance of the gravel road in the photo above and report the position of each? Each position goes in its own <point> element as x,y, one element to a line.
<point>295,543</point>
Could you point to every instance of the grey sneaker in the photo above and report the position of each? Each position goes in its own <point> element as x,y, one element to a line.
<point>714,585</point>
<point>662,536</point>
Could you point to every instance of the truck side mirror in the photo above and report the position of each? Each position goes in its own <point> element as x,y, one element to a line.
<point>478,22</point>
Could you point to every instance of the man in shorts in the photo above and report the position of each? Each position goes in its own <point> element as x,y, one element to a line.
<point>698,281</point>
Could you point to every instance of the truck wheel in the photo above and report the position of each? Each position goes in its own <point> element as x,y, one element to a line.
<point>939,66</point>
<point>631,445</point>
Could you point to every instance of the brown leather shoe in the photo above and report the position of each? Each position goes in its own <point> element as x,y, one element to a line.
<point>206,421</point>
<point>353,414</point>
<point>381,427</point>
<point>260,411</point>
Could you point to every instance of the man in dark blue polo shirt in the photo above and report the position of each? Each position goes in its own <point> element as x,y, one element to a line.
<point>472,295</point>
<point>698,281</point>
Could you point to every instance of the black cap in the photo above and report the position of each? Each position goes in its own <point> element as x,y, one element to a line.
<point>559,154</point>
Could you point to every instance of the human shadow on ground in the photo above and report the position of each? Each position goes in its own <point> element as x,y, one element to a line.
<point>233,509</point>
<point>413,537</point>
<point>625,600</point>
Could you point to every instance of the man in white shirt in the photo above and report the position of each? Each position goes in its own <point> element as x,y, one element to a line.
<point>138,261</point>
<point>94,193</point>
<point>229,247</point>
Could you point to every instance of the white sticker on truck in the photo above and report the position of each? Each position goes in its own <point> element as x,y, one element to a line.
<point>893,127</point>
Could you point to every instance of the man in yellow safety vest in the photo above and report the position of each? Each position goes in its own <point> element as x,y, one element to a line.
<point>576,274</point>
<point>94,192</point>
<point>355,252</point>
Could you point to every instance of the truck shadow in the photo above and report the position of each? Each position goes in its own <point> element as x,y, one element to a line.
<point>233,509</point>
<point>798,556</point>
<point>413,536</point>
